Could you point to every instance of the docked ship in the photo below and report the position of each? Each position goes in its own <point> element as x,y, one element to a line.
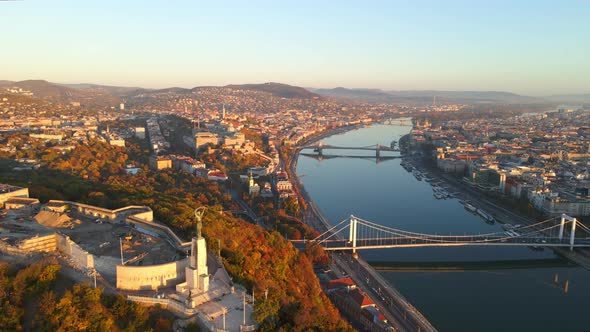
<point>470,207</point>
<point>440,193</point>
<point>417,174</point>
<point>486,216</point>
<point>406,165</point>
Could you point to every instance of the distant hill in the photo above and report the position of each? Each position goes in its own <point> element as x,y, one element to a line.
<point>110,95</point>
<point>583,98</point>
<point>55,92</point>
<point>426,96</point>
<point>116,90</point>
<point>42,89</point>
<point>366,95</point>
<point>277,89</point>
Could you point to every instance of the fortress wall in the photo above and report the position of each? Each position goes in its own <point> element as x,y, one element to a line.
<point>22,192</point>
<point>47,243</point>
<point>162,230</point>
<point>79,256</point>
<point>147,215</point>
<point>7,249</point>
<point>150,277</point>
<point>143,212</point>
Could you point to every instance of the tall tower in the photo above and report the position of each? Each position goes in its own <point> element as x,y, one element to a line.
<point>223,112</point>
<point>197,273</point>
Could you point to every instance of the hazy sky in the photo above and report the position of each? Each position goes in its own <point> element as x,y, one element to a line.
<point>530,47</point>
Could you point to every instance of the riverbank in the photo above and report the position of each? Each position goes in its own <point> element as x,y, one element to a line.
<point>472,300</point>
<point>469,265</point>
<point>502,214</point>
<point>394,306</point>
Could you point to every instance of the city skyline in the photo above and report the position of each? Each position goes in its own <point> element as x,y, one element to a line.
<point>530,48</point>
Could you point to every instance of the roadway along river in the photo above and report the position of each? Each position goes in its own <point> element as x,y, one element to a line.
<point>511,299</point>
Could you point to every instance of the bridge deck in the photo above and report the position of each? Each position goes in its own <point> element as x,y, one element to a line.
<point>384,243</point>
<point>366,148</point>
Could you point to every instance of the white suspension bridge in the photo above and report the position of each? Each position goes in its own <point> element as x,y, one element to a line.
<point>354,234</point>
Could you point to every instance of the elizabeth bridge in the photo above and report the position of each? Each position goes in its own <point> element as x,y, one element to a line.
<point>354,234</point>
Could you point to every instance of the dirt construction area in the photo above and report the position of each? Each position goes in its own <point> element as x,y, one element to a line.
<point>99,237</point>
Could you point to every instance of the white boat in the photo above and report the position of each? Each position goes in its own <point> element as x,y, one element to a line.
<point>417,174</point>
<point>470,207</point>
<point>487,217</point>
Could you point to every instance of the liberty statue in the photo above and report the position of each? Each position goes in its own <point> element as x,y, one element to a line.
<point>199,218</point>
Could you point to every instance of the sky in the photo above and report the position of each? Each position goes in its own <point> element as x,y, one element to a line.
<point>527,47</point>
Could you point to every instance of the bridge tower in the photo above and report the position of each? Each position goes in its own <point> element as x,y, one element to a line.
<point>565,217</point>
<point>377,152</point>
<point>352,233</point>
<point>319,149</point>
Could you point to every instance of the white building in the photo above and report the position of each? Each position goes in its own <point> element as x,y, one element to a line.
<point>203,138</point>
<point>253,187</point>
<point>140,132</point>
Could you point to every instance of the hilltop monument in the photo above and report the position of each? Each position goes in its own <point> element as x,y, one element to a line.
<point>197,273</point>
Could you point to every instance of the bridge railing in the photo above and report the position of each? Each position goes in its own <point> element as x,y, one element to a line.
<point>370,234</point>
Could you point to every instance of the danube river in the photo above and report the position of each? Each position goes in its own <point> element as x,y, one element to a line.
<point>517,298</point>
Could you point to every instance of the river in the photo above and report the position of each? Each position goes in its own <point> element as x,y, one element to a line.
<point>514,299</point>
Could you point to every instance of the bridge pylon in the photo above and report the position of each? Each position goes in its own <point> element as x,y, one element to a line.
<point>564,218</point>
<point>573,234</point>
<point>562,225</point>
<point>352,232</point>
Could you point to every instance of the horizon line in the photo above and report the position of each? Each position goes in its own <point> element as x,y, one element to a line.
<point>300,86</point>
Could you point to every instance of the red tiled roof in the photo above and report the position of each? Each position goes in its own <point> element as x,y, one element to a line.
<point>360,298</point>
<point>340,283</point>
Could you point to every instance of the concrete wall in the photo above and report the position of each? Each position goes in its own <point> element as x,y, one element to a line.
<point>80,257</point>
<point>51,243</point>
<point>47,243</point>
<point>22,192</point>
<point>142,212</point>
<point>150,277</point>
<point>163,231</point>
<point>147,215</point>
<point>7,249</point>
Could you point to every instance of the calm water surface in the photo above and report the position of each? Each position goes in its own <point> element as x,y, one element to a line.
<point>495,300</point>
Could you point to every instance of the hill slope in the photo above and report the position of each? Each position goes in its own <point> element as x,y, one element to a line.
<point>277,89</point>
<point>426,96</point>
<point>41,88</point>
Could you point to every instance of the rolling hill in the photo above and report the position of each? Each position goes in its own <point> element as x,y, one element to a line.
<point>277,89</point>
<point>426,96</point>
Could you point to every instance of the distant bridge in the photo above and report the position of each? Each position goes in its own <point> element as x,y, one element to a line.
<point>320,147</point>
<point>401,121</point>
<point>332,156</point>
<point>364,234</point>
